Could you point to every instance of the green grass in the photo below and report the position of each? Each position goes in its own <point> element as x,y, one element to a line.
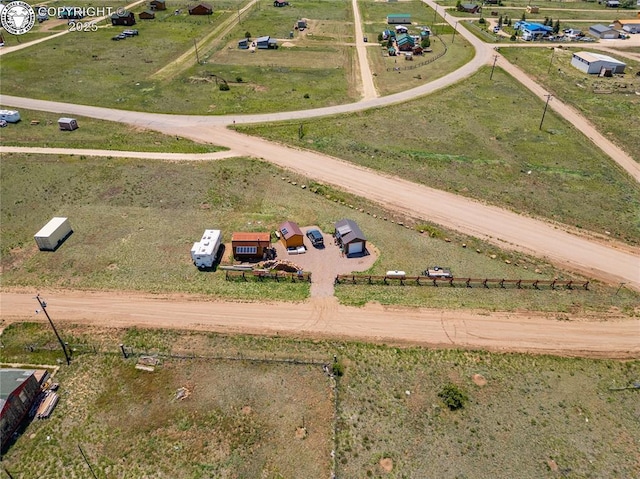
<point>483,146</point>
<point>372,11</point>
<point>561,411</point>
<point>93,134</point>
<point>609,103</point>
<point>543,4</point>
<point>134,223</point>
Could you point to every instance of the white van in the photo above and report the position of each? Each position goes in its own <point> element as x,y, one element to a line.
<point>10,116</point>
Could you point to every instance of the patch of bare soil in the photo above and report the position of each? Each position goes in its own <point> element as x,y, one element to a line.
<point>386,464</point>
<point>479,380</point>
<point>301,433</point>
<point>246,410</point>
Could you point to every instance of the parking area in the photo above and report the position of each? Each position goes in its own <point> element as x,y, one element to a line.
<point>325,263</point>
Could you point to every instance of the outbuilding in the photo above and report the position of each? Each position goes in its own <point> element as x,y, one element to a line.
<point>533,9</point>
<point>291,234</point>
<point>350,238</point>
<point>19,389</point>
<point>604,32</point>
<point>158,4</point>
<point>266,42</point>
<point>398,18</point>
<point>201,9</point>
<point>10,116</point>
<point>67,124</point>
<point>629,26</point>
<point>469,7</point>
<point>595,63</point>
<point>147,15</point>
<point>250,246</point>
<point>123,18</point>
<point>53,234</point>
<point>280,3</point>
<point>204,253</point>
<point>612,4</point>
<point>243,44</point>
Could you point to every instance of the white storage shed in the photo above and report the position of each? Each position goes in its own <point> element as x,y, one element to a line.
<point>53,234</point>
<point>205,251</point>
<point>594,63</point>
<point>10,116</point>
<point>67,124</point>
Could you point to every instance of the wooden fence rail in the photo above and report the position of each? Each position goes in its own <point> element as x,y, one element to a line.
<point>278,276</point>
<point>461,282</point>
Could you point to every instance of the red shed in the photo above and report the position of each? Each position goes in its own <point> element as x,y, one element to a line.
<point>250,246</point>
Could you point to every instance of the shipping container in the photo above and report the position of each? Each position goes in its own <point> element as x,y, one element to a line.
<point>53,234</point>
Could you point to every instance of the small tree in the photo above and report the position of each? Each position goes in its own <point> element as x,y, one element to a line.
<point>524,17</point>
<point>390,42</point>
<point>426,42</point>
<point>380,37</point>
<point>546,21</point>
<point>338,369</point>
<point>453,397</point>
<point>223,87</point>
<point>500,22</point>
<point>247,35</point>
<point>556,27</point>
<point>458,5</point>
<point>509,22</point>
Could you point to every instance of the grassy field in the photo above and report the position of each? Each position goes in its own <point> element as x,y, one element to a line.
<point>610,103</point>
<point>526,416</point>
<point>543,4</point>
<point>317,72</point>
<point>93,134</point>
<point>483,146</point>
<point>135,221</point>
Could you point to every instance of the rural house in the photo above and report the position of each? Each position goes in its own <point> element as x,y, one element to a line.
<point>398,18</point>
<point>201,9</point>
<point>123,18</point>
<point>469,8</point>
<point>266,42</point>
<point>147,15</point>
<point>350,238</point>
<point>629,26</point>
<point>243,44</point>
<point>291,234</point>
<point>19,388</point>
<point>405,42</point>
<point>596,63</point>
<point>612,4</point>
<point>533,9</point>
<point>280,3</point>
<point>158,5</point>
<point>533,31</point>
<point>604,32</point>
<point>250,246</point>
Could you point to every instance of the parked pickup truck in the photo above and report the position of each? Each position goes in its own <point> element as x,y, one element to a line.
<point>437,272</point>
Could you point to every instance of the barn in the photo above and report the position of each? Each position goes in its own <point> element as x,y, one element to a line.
<point>123,18</point>
<point>589,62</point>
<point>350,238</point>
<point>158,5</point>
<point>266,42</point>
<point>291,234</point>
<point>201,9</point>
<point>19,388</point>
<point>603,32</point>
<point>398,18</point>
<point>250,246</point>
<point>147,15</point>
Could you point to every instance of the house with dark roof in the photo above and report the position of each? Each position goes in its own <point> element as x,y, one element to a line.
<point>201,9</point>
<point>350,238</point>
<point>123,18</point>
<point>19,389</point>
<point>291,234</point>
<point>469,7</point>
<point>266,42</point>
<point>405,42</point>
<point>250,246</point>
<point>158,5</point>
<point>147,15</point>
<point>280,3</point>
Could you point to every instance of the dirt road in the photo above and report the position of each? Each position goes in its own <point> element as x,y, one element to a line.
<point>368,87</point>
<point>323,317</point>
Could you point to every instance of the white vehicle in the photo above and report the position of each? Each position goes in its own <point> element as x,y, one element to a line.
<point>205,251</point>
<point>10,116</point>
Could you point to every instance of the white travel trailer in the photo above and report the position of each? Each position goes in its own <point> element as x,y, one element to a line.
<point>53,233</point>
<point>10,116</point>
<point>204,252</point>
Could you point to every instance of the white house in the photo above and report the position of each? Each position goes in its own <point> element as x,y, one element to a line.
<point>594,62</point>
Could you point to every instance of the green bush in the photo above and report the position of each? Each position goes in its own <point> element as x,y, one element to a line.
<point>224,87</point>
<point>453,397</point>
<point>338,369</point>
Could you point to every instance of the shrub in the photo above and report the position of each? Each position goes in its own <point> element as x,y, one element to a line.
<point>453,397</point>
<point>482,21</point>
<point>338,369</point>
<point>306,95</point>
<point>224,87</point>
<point>238,79</point>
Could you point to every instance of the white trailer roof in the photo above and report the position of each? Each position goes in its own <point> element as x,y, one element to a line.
<point>48,229</point>
<point>208,242</point>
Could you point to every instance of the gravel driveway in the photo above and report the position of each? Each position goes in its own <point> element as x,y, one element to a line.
<point>325,263</point>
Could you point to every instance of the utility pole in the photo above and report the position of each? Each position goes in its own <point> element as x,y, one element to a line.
<point>545,110</point>
<point>553,52</point>
<point>495,59</point>
<point>195,45</point>
<point>87,461</point>
<point>43,305</point>
<point>453,37</point>
<point>619,288</point>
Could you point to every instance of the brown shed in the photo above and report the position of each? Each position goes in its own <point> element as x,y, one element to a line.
<point>123,18</point>
<point>147,15</point>
<point>158,5</point>
<point>291,234</point>
<point>201,9</point>
<point>250,246</point>
<point>19,388</point>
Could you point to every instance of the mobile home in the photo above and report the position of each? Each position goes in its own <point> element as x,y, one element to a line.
<point>53,234</point>
<point>10,116</point>
<point>205,251</point>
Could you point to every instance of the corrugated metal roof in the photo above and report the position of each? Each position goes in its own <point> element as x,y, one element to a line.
<point>10,379</point>
<point>600,28</point>
<point>594,57</point>
<point>258,236</point>
<point>262,39</point>
<point>349,231</point>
